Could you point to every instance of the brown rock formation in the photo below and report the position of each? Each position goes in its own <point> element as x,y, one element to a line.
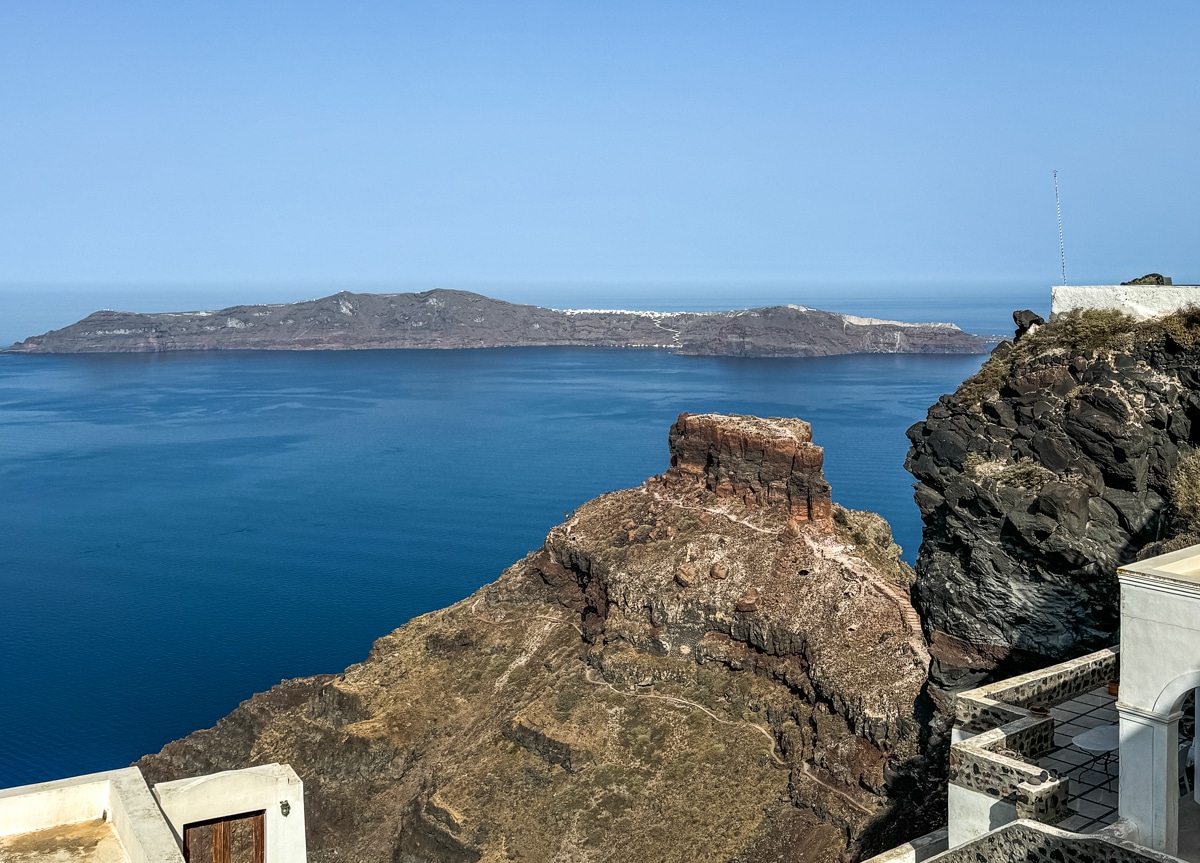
<point>748,601</point>
<point>604,701</point>
<point>686,575</point>
<point>760,462</point>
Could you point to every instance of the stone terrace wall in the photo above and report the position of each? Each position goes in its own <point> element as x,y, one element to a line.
<point>998,760</point>
<point>994,763</point>
<point>1029,842</point>
<point>1005,700</point>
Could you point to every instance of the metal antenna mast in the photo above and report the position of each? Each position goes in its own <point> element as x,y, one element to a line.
<point>1062,252</point>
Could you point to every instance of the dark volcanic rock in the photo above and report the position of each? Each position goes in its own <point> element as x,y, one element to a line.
<point>1149,279</point>
<point>1026,320</point>
<point>1040,476</point>
<point>607,700</point>
<point>459,319</point>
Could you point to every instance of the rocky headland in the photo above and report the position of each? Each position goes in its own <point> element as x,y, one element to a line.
<point>460,319</point>
<point>720,665</point>
<point>1069,453</point>
<point>723,664</point>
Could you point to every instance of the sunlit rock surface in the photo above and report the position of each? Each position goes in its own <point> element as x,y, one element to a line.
<point>719,665</point>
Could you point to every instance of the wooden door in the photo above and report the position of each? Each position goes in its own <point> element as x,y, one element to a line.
<point>232,839</point>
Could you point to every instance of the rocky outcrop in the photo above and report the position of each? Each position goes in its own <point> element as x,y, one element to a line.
<point>1149,279</point>
<point>1043,473</point>
<point>459,319</point>
<point>719,665</point>
<point>760,462</point>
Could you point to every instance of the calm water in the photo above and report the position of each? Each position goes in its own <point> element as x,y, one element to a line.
<point>180,531</point>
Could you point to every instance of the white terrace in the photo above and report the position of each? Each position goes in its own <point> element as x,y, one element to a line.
<point>1066,763</point>
<point>256,814</point>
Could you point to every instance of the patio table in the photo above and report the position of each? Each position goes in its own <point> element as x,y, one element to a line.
<point>1100,742</point>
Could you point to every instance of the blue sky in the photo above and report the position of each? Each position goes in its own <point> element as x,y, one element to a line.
<point>393,144</point>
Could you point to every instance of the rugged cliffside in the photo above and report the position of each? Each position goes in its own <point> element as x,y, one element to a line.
<point>1039,476</point>
<point>719,665</point>
<point>459,319</point>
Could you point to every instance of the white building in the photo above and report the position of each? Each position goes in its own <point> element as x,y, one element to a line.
<point>1067,763</point>
<point>1138,301</point>
<point>256,814</point>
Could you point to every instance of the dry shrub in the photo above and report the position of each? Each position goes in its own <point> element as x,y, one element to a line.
<point>1025,473</point>
<point>972,464</point>
<point>1185,488</point>
<point>1182,327</point>
<point>1081,330</point>
<point>871,536</point>
<point>985,382</point>
<point>1077,332</point>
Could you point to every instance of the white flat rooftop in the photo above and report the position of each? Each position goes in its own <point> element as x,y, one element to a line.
<point>84,842</point>
<point>107,817</point>
<point>1139,301</point>
<point>1181,566</point>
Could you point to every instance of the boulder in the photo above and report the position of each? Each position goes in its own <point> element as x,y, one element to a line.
<point>748,601</point>
<point>1026,321</point>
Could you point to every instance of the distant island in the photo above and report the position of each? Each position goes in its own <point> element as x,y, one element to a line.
<point>461,319</point>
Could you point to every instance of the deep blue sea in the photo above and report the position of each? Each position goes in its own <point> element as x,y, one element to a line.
<point>179,531</point>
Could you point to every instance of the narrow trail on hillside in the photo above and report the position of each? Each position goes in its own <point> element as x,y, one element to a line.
<point>903,602</point>
<point>683,702</point>
<point>711,510</point>
<point>807,771</point>
<point>675,342</point>
<point>805,767</point>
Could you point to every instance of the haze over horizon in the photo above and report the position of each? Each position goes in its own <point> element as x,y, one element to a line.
<point>611,150</point>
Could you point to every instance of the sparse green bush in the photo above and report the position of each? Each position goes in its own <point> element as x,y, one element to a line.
<point>1185,488</point>
<point>565,703</point>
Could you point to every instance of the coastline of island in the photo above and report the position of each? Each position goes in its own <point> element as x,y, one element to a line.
<point>451,319</point>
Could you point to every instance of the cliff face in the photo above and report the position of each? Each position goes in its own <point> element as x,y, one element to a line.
<point>756,461</point>
<point>459,319</point>
<point>718,665</point>
<point>1038,477</point>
